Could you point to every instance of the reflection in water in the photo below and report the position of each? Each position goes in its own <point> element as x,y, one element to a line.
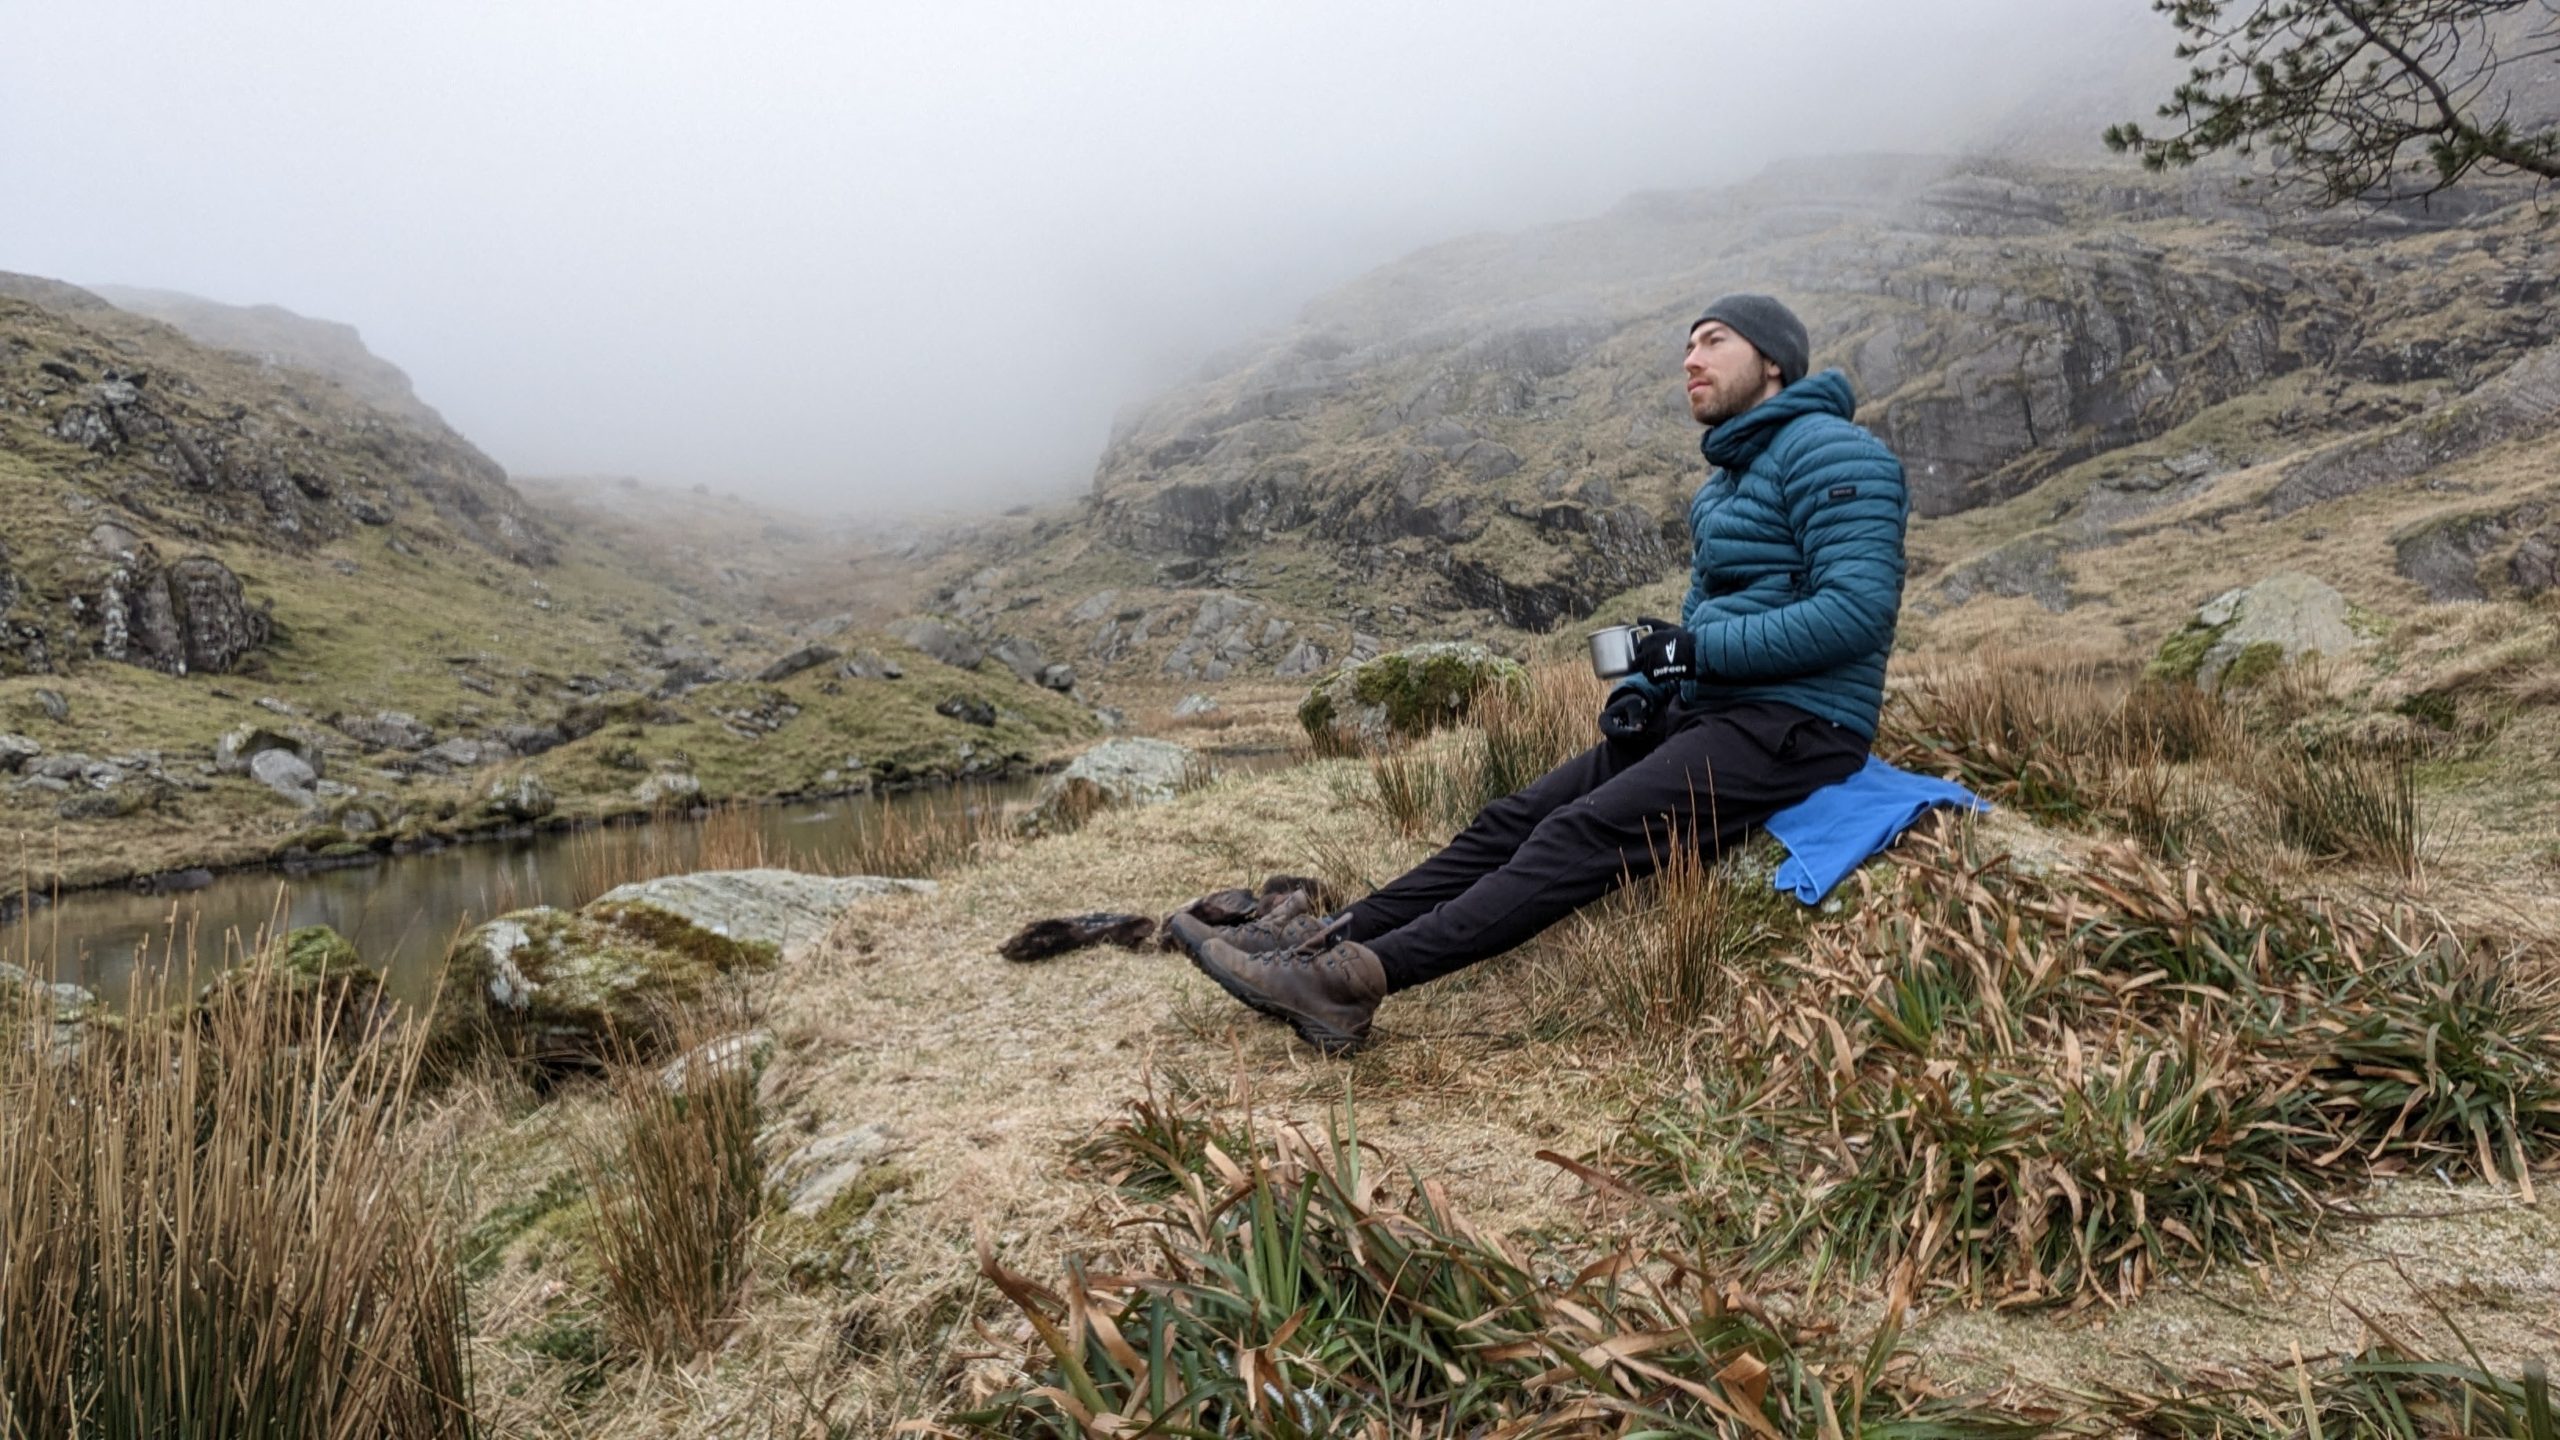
<point>404,912</point>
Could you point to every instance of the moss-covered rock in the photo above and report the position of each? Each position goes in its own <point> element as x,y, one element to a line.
<point>2243,636</point>
<point>572,989</point>
<point>1402,694</point>
<point>308,971</point>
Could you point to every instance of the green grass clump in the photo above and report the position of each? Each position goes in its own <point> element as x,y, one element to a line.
<point>2055,1090</point>
<point>1296,1293</point>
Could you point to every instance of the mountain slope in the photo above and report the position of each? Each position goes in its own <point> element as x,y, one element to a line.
<point>1487,436</point>
<point>196,542</point>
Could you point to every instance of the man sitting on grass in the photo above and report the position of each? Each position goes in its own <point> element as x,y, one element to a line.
<point>1766,691</point>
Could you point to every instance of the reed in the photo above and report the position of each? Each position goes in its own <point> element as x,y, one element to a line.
<point>211,1226</point>
<point>678,1188</point>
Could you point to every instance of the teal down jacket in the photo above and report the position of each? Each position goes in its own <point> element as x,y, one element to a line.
<point>1797,577</point>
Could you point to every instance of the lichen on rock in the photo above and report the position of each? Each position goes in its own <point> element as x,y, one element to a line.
<point>1403,694</point>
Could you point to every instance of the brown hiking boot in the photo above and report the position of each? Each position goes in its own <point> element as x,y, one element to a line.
<point>1328,997</point>
<point>1289,922</point>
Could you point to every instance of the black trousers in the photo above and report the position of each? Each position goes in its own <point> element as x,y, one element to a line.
<point>1601,818</point>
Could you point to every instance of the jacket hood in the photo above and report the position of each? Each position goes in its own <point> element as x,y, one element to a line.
<point>1738,441</point>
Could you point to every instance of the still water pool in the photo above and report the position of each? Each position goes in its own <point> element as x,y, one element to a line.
<point>403,912</point>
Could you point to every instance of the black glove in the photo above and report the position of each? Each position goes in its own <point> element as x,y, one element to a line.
<point>1668,655</point>
<point>1628,714</point>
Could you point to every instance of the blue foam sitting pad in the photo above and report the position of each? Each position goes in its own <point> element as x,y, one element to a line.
<point>1839,827</point>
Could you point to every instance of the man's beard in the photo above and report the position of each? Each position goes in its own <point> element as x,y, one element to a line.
<point>1720,405</point>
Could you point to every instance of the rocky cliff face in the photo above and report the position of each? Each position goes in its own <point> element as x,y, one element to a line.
<point>133,455</point>
<point>1496,425</point>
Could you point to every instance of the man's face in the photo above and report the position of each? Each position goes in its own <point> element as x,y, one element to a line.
<point>1726,376</point>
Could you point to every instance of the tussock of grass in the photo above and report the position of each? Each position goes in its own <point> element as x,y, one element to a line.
<point>216,1226</point>
<point>2338,802</point>
<point>2056,1090</point>
<point>678,1189</point>
<point>1295,1292</point>
<point>2387,1390</point>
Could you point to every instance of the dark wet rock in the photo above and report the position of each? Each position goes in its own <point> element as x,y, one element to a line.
<point>1042,939</point>
<point>686,673</point>
<point>190,617</point>
<point>531,739</point>
<point>807,657</point>
<point>967,710</point>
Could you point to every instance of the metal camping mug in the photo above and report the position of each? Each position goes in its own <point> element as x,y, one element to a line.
<point>1613,651</point>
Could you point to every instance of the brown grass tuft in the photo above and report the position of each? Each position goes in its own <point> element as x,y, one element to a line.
<point>679,1185</point>
<point>213,1226</point>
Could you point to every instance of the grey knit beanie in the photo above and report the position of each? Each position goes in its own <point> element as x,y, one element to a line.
<point>1771,327</point>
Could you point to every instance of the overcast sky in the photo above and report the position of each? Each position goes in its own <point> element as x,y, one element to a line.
<point>842,253</point>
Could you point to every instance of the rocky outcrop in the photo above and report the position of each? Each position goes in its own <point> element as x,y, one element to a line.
<point>1494,423</point>
<point>945,642</point>
<point>234,752</point>
<point>2524,400</point>
<point>2445,556</point>
<point>518,798</point>
<point>189,617</point>
<point>2030,568</point>
<point>385,730</point>
<point>1402,694</point>
<point>807,657</point>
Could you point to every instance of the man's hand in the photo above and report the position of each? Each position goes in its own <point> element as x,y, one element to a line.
<point>1669,654</point>
<point>1628,715</point>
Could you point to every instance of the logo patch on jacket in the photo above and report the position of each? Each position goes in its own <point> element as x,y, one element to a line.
<point>1844,492</point>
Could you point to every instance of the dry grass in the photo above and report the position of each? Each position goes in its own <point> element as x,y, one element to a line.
<point>678,1185</point>
<point>215,1225</point>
